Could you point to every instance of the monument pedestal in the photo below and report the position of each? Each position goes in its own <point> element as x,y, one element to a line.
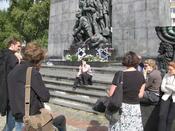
<point>133,25</point>
<point>108,52</point>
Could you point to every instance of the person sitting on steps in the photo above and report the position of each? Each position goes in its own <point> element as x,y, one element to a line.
<point>84,75</point>
<point>153,83</point>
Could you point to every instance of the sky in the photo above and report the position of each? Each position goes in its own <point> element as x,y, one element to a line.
<point>4,4</point>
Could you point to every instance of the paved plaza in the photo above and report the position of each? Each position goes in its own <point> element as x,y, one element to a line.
<point>76,120</point>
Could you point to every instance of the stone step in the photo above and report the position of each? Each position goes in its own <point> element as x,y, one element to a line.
<point>96,70</point>
<point>70,84</point>
<point>74,70</point>
<point>80,91</point>
<point>73,105</point>
<point>59,80</point>
<point>72,97</point>
<point>102,78</point>
<point>72,79</point>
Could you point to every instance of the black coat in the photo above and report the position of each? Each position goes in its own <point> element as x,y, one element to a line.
<point>16,90</point>
<point>8,61</point>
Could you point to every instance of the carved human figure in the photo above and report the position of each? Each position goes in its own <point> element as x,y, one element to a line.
<point>166,54</point>
<point>105,4</point>
<point>91,23</point>
<point>82,26</point>
<point>99,16</point>
<point>95,41</point>
<point>89,10</point>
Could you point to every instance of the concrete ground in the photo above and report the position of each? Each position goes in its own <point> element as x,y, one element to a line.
<point>76,120</point>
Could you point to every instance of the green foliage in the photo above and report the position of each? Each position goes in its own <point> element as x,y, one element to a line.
<point>91,58</point>
<point>88,58</point>
<point>2,46</point>
<point>43,41</point>
<point>26,19</point>
<point>36,21</point>
<point>69,57</point>
<point>6,28</point>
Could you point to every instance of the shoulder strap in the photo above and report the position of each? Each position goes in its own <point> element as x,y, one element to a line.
<point>120,77</point>
<point>27,91</point>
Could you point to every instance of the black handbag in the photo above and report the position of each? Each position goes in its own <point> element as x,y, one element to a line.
<point>113,108</point>
<point>100,104</point>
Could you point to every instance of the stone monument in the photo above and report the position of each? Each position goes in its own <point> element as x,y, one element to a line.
<point>133,25</point>
<point>92,28</point>
<point>167,46</point>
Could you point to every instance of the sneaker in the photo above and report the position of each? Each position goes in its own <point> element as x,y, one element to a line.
<point>74,88</point>
<point>85,84</point>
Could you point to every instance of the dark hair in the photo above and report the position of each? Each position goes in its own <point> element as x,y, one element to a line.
<point>11,41</point>
<point>34,53</point>
<point>130,59</point>
<point>81,61</point>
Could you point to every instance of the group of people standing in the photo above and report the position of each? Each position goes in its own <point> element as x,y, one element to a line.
<point>12,96</point>
<point>139,86</point>
<point>143,83</point>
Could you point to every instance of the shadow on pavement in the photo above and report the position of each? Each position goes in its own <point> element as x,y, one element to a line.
<point>95,126</point>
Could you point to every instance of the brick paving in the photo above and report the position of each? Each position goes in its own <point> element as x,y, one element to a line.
<point>76,120</point>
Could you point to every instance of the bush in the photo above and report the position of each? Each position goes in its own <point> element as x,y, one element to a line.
<point>88,58</point>
<point>69,57</point>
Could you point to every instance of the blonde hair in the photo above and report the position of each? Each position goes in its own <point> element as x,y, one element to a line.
<point>151,63</point>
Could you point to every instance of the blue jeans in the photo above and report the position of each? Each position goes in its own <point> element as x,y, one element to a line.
<point>19,126</point>
<point>10,122</point>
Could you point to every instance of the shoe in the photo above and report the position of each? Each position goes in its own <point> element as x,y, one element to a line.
<point>80,83</point>
<point>90,84</point>
<point>74,88</point>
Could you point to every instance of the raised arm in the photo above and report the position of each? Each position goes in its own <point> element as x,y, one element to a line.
<point>163,85</point>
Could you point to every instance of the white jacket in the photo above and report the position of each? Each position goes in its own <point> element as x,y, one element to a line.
<point>168,87</point>
<point>85,68</point>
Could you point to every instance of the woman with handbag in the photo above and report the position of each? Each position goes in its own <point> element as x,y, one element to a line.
<point>133,89</point>
<point>20,80</point>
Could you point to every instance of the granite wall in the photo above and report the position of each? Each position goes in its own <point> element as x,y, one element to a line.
<point>62,20</point>
<point>133,25</point>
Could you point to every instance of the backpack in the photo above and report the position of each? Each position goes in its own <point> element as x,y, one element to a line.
<point>3,82</point>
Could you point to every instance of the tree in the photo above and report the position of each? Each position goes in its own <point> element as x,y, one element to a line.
<point>6,29</point>
<point>26,18</point>
<point>36,23</point>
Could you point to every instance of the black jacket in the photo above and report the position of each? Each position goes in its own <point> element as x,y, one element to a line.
<point>16,90</point>
<point>12,60</point>
<point>8,62</point>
